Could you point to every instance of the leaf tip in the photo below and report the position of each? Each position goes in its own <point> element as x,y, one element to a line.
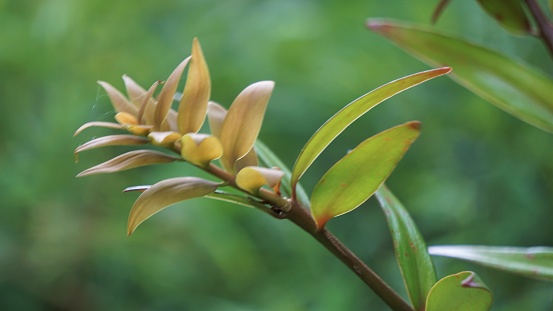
<point>378,25</point>
<point>415,125</point>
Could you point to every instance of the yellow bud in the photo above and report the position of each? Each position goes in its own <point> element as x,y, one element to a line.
<point>200,149</point>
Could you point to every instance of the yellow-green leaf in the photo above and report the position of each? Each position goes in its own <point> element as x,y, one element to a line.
<point>533,262</point>
<point>414,261</point>
<point>243,122</point>
<point>517,89</point>
<point>354,179</point>
<point>111,125</point>
<point>112,140</point>
<point>130,160</point>
<point>200,149</point>
<point>509,13</point>
<point>166,95</point>
<point>252,178</point>
<point>118,100</point>
<point>343,118</point>
<point>166,193</point>
<point>463,291</point>
<point>193,104</point>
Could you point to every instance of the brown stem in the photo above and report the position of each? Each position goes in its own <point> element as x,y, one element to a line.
<point>545,28</point>
<point>300,216</point>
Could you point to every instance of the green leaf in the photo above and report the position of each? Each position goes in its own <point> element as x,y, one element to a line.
<point>463,291</point>
<point>130,160</point>
<point>165,193</point>
<point>343,118</point>
<point>509,13</point>
<point>243,122</point>
<point>439,10</point>
<point>414,261</point>
<point>519,90</point>
<point>533,262</point>
<point>354,179</point>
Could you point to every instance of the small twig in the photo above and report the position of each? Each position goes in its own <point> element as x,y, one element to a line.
<point>544,26</point>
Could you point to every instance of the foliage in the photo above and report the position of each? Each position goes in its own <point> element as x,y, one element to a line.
<point>62,241</point>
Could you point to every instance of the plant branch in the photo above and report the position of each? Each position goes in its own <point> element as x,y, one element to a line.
<point>299,215</point>
<point>545,28</point>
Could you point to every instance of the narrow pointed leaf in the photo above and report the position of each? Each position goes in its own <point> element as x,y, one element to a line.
<point>193,104</point>
<point>517,89</point>
<point>110,125</point>
<point>130,160</point>
<point>165,98</point>
<point>354,179</point>
<point>414,261</point>
<point>112,140</point>
<point>166,193</point>
<point>147,105</point>
<point>343,118</point>
<point>533,262</point>
<point>118,100</point>
<point>509,13</point>
<point>137,188</point>
<point>137,94</point>
<point>463,291</point>
<point>243,122</point>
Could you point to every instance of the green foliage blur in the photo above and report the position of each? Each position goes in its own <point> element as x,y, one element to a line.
<point>475,176</point>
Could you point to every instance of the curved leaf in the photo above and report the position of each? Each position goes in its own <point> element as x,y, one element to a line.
<point>343,118</point>
<point>129,160</point>
<point>252,178</point>
<point>138,95</point>
<point>216,116</point>
<point>165,193</point>
<point>243,122</point>
<point>533,262</point>
<point>463,291</point>
<point>166,95</point>
<point>519,90</point>
<point>112,140</point>
<point>509,13</point>
<point>414,261</point>
<point>354,179</point>
<point>111,125</point>
<point>193,103</point>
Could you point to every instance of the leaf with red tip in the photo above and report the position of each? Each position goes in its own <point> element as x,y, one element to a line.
<point>354,179</point>
<point>463,291</point>
<point>243,122</point>
<point>193,104</point>
<point>166,193</point>
<point>343,118</point>
<point>165,98</point>
<point>130,160</point>
<point>517,89</point>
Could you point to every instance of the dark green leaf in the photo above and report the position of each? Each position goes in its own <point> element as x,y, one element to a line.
<point>414,261</point>
<point>519,90</point>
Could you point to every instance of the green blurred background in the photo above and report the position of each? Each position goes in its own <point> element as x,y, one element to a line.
<point>475,176</point>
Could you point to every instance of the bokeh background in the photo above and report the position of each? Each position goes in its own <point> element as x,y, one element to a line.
<point>475,176</point>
